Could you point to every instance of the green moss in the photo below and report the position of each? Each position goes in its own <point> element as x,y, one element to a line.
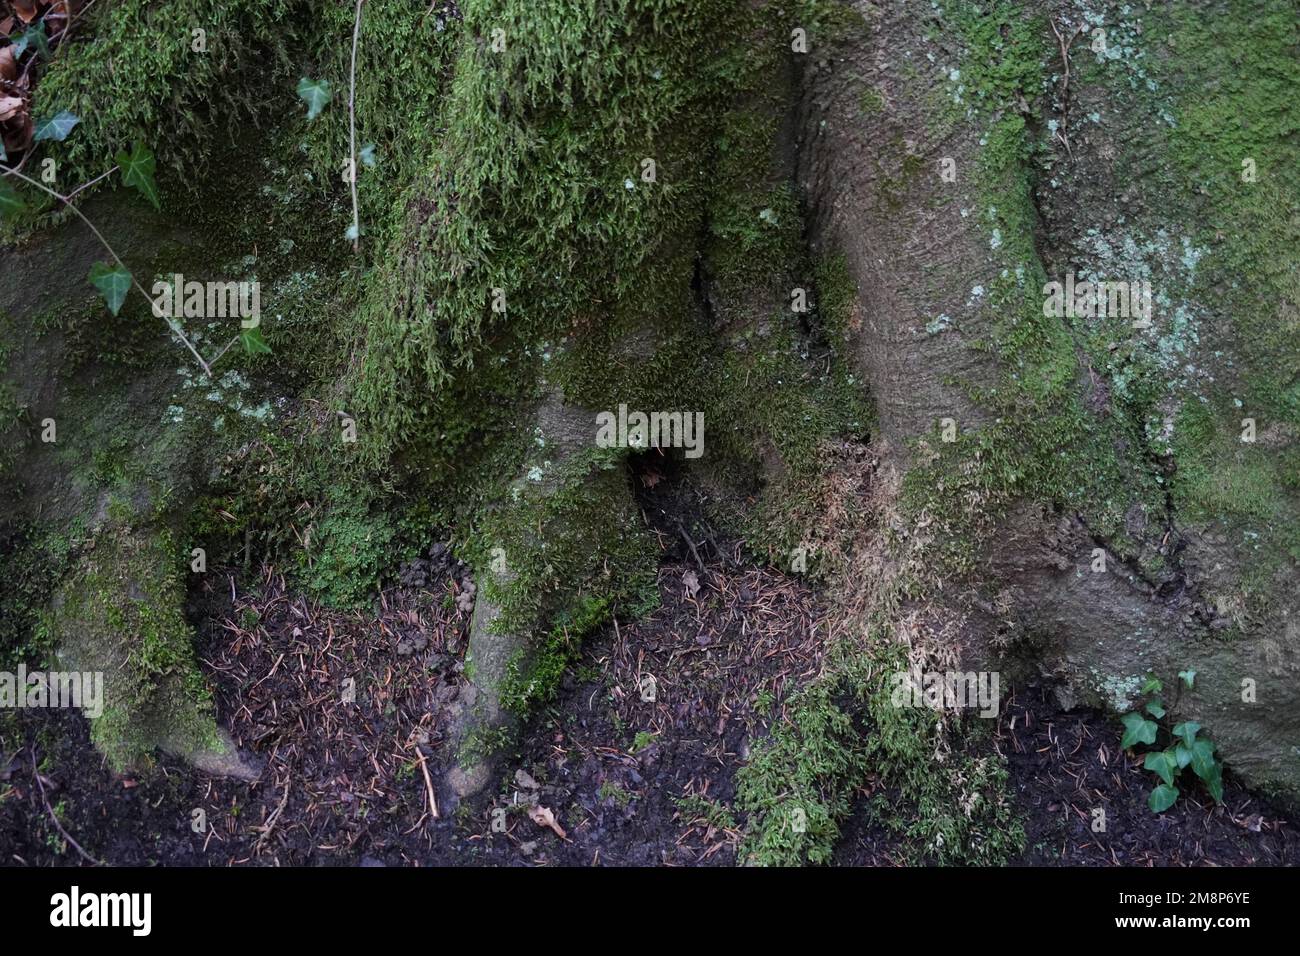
<point>1039,443</point>
<point>801,783</point>
<point>871,101</point>
<point>836,294</point>
<point>714,813</point>
<point>533,677</point>
<point>564,573</point>
<point>130,73</point>
<point>33,559</point>
<point>482,742</point>
<point>542,144</point>
<point>1235,76</point>
<point>120,614</point>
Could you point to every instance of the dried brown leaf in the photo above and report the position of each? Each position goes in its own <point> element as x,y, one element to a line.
<point>26,10</point>
<point>18,133</point>
<point>691,582</point>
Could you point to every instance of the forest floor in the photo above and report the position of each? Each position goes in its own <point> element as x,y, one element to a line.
<point>635,761</point>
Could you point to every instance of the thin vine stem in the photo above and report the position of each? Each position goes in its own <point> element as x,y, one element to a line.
<point>67,201</point>
<point>352,130</point>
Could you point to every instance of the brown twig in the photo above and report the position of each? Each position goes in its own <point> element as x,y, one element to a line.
<point>1063,133</point>
<point>690,544</point>
<point>273,818</point>
<point>50,810</point>
<point>428,783</point>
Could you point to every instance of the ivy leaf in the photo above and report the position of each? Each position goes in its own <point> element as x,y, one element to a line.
<point>1152,686</point>
<point>1162,764</point>
<point>1189,677</point>
<point>113,282</point>
<point>1183,754</point>
<point>252,341</point>
<point>315,93</point>
<point>1137,730</point>
<point>32,36</point>
<point>57,127</point>
<point>1187,730</point>
<point>1156,708</point>
<point>1162,798</point>
<point>367,155</point>
<point>138,171</point>
<point>1214,783</point>
<point>1203,762</point>
<point>10,201</point>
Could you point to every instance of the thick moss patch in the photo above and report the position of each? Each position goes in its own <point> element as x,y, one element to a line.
<point>120,614</point>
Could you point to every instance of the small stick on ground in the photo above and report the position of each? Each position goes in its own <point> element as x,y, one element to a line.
<point>690,544</point>
<point>1063,133</point>
<point>275,816</point>
<point>50,810</point>
<point>428,783</point>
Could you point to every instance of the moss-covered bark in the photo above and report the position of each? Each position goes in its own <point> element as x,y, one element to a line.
<point>821,224</point>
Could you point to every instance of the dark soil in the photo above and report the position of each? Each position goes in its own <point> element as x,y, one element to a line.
<point>1065,766</point>
<point>635,760</point>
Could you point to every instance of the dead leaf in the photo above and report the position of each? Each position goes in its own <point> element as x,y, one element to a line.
<point>26,10</point>
<point>8,65</point>
<point>9,106</point>
<point>543,817</point>
<point>691,582</point>
<point>526,781</point>
<point>18,138</point>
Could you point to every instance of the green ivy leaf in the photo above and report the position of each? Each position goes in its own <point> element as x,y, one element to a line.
<point>33,36</point>
<point>367,155</point>
<point>1162,798</point>
<point>10,201</point>
<point>56,127</point>
<point>1187,730</point>
<point>137,169</point>
<point>113,282</point>
<point>1183,754</point>
<point>1189,677</point>
<point>1137,730</point>
<point>1156,708</point>
<point>1203,762</point>
<point>1214,783</point>
<point>315,93</point>
<point>1163,764</point>
<point>1152,686</point>
<point>252,341</point>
